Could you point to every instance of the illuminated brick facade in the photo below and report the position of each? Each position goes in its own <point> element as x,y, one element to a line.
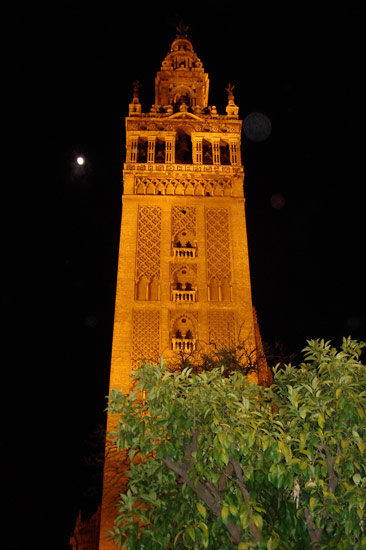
<point>183,280</point>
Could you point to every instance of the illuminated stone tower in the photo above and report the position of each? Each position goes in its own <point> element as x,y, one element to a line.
<point>183,280</point>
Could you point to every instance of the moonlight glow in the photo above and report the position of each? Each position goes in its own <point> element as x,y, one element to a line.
<point>80,161</point>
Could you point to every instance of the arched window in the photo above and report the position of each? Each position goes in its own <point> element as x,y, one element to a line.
<point>154,289</point>
<point>225,290</point>
<point>159,150</point>
<point>140,190</point>
<point>224,153</point>
<point>183,148</point>
<point>142,150</point>
<point>150,189</point>
<point>142,288</point>
<point>206,152</point>
<point>214,290</point>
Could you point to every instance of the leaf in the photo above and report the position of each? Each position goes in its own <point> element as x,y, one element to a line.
<point>321,420</point>
<point>233,510</point>
<point>224,513</point>
<point>223,439</point>
<point>313,502</point>
<point>285,450</point>
<point>302,439</point>
<point>191,532</point>
<point>302,411</point>
<point>202,510</point>
<point>244,519</point>
<point>357,478</point>
<point>258,520</point>
<point>273,541</point>
<point>204,531</point>
<point>243,546</point>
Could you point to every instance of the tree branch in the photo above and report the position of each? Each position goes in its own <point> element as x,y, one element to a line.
<point>315,534</point>
<point>244,491</point>
<point>224,476</point>
<point>333,479</point>
<point>203,492</point>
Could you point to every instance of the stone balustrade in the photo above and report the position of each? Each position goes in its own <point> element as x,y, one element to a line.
<point>183,296</point>
<point>182,252</point>
<point>183,344</point>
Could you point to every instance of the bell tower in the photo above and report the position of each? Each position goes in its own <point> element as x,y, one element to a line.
<point>183,281</point>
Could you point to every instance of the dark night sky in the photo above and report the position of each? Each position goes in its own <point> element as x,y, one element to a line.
<point>68,74</point>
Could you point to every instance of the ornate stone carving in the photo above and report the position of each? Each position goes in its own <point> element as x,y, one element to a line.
<point>183,186</point>
<point>183,218</point>
<point>218,245</point>
<point>145,336</point>
<point>221,325</point>
<point>148,242</point>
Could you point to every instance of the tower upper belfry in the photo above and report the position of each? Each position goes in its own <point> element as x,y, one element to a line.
<point>181,79</point>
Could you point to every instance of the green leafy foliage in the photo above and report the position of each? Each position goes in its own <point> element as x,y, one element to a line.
<point>220,463</point>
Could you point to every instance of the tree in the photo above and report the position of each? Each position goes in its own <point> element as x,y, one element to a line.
<point>221,463</point>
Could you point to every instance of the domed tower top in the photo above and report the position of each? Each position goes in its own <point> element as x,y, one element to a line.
<point>181,82</point>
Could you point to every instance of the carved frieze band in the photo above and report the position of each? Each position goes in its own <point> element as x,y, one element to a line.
<point>206,126</point>
<point>183,186</point>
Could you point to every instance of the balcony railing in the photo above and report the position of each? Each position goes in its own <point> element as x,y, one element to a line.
<point>183,296</point>
<point>181,252</point>
<point>182,344</point>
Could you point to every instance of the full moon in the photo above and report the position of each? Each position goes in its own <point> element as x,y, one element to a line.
<point>80,161</point>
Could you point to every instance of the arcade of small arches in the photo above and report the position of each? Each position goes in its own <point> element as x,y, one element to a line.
<point>156,186</point>
<point>183,290</point>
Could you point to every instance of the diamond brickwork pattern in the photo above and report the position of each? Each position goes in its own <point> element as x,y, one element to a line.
<point>145,336</point>
<point>183,218</point>
<point>218,244</point>
<point>221,326</point>
<point>148,242</point>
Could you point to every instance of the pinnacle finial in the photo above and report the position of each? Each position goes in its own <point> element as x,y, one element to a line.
<point>181,29</point>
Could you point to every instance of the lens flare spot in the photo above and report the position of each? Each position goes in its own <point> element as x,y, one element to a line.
<point>278,201</point>
<point>257,127</point>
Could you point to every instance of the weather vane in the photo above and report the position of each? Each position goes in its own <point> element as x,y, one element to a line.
<point>182,29</point>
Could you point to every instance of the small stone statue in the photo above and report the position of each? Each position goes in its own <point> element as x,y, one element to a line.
<point>229,90</point>
<point>136,87</point>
